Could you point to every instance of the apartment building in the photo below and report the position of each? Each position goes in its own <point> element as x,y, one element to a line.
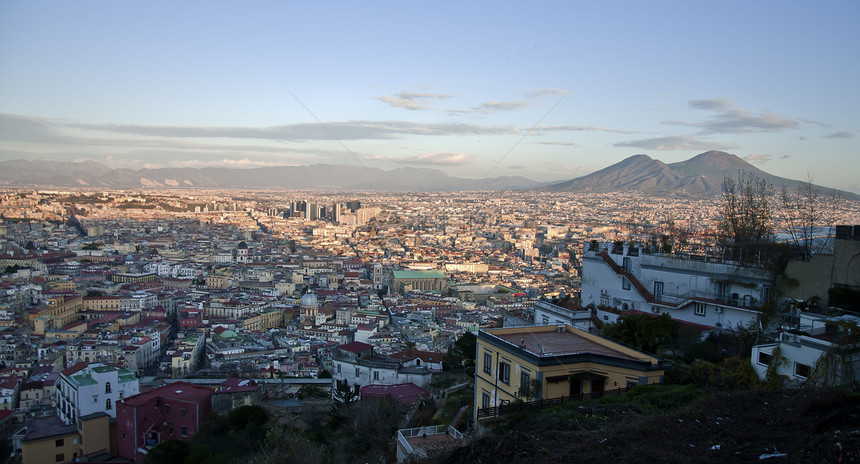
<point>85,389</point>
<point>690,289</point>
<point>543,362</point>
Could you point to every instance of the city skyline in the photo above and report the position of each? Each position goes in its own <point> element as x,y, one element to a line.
<point>477,90</point>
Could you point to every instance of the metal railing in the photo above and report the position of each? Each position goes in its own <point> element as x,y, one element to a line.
<point>520,406</point>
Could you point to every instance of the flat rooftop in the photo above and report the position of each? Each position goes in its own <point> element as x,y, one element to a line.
<point>548,343</point>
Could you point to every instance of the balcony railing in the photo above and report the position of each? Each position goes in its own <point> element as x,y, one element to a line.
<point>513,408</point>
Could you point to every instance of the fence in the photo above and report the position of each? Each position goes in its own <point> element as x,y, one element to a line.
<point>512,408</point>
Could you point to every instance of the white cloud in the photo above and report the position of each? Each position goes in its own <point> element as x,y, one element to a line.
<point>413,100</point>
<point>673,143</point>
<point>840,135</point>
<point>438,159</point>
<point>756,158</point>
<point>715,104</point>
<point>539,93</point>
<point>494,107</point>
<point>735,121</point>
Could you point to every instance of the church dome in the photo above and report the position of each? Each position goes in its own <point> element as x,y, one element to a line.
<point>242,245</point>
<point>309,300</point>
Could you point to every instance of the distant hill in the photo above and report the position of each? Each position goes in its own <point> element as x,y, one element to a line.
<point>700,176</point>
<point>25,173</point>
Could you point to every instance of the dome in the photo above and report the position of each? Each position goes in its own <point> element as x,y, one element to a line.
<point>309,300</point>
<point>242,245</point>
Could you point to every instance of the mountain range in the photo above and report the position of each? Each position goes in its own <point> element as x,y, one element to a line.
<point>700,176</point>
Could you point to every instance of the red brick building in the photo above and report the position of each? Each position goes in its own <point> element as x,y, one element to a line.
<point>174,411</point>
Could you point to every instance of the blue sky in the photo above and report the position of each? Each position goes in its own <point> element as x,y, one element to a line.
<point>546,90</point>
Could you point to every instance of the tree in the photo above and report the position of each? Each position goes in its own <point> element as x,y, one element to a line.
<point>466,346</point>
<point>746,211</point>
<point>643,332</point>
<point>804,212</point>
<point>344,394</point>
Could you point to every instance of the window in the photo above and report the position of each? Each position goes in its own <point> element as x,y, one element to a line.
<point>375,375</point>
<point>183,412</point>
<point>626,264</point>
<point>658,291</point>
<point>167,409</point>
<point>488,363</point>
<point>545,320</point>
<point>59,442</point>
<point>485,400</point>
<point>625,283</point>
<point>764,358</point>
<point>107,404</point>
<point>60,457</point>
<point>123,435</point>
<point>604,299</point>
<point>184,431</point>
<point>505,372</point>
<point>356,372</point>
<point>525,387</point>
<point>107,387</point>
<point>802,370</point>
<point>699,309</point>
<point>338,368</point>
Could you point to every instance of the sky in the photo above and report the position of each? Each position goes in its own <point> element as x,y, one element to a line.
<point>545,90</point>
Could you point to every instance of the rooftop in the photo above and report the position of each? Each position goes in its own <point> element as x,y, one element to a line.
<point>177,390</point>
<point>553,341</point>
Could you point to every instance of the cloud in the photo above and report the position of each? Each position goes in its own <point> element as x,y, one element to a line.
<point>538,129</point>
<point>840,135</point>
<point>224,162</point>
<point>673,143</point>
<point>348,130</point>
<point>413,100</point>
<point>494,107</point>
<point>566,144</point>
<point>785,157</point>
<point>438,159</point>
<point>735,121</point>
<point>759,159</point>
<point>714,104</point>
<point>539,93</point>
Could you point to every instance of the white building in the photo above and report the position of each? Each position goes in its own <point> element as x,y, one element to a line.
<point>357,364</point>
<point>812,355</point>
<point>547,313</point>
<point>88,388</point>
<point>710,294</point>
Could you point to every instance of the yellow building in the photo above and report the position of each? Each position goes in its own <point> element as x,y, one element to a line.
<point>268,320</point>
<point>545,362</point>
<point>56,312</point>
<point>101,303</point>
<point>48,439</point>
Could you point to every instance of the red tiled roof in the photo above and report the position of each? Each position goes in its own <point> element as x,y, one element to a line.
<point>426,356</point>
<point>356,347</point>
<point>76,368</point>
<point>176,390</point>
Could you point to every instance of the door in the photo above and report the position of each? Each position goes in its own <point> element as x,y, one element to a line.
<point>597,387</point>
<point>575,387</point>
<point>658,291</point>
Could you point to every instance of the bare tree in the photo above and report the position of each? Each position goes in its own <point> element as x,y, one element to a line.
<point>806,214</point>
<point>746,210</point>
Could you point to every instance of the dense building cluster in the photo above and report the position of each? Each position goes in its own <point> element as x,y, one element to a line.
<point>106,295</point>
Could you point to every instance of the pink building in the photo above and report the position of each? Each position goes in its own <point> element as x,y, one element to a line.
<point>174,411</point>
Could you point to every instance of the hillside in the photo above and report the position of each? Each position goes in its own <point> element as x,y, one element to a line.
<point>747,426</point>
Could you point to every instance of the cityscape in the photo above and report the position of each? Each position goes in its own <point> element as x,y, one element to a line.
<point>257,297</point>
<point>450,232</point>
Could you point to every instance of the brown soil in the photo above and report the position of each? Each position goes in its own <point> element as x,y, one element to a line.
<point>820,426</point>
